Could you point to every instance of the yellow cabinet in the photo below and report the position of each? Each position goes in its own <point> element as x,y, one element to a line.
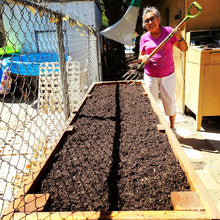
<point>202,82</point>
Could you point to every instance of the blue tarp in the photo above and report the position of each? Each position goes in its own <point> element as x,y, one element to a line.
<point>27,64</point>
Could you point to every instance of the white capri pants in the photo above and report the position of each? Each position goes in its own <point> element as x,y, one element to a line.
<point>166,87</point>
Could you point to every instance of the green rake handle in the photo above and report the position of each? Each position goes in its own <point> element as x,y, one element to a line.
<point>188,16</point>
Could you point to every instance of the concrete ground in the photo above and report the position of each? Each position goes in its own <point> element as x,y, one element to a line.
<point>202,148</point>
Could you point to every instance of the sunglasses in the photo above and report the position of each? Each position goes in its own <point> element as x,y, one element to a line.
<point>152,19</point>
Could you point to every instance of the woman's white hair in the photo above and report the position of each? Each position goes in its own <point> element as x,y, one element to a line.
<point>149,9</point>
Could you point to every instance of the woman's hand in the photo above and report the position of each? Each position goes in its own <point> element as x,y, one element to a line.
<point>143,58</point>
<point>177,33</point>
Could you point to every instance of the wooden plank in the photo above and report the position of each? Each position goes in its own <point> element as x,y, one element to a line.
<point>33,202</point>
<point>117,82</point>
<point>160,128</point>
<point>115,215</point>
<point>193,179</point>
<point>186,201</point>
<point>70,129</point>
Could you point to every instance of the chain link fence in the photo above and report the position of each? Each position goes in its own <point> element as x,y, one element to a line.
<point>48,62</point>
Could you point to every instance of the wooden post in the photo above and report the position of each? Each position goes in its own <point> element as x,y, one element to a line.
<point>62,64</point>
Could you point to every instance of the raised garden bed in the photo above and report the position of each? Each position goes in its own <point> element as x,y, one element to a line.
<point>115,164</point>
<point>116,159</point>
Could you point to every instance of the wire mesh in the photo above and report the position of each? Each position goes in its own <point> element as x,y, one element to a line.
<point>48,62</point>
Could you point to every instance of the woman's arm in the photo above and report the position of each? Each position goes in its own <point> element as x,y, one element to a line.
<point>181,43</point>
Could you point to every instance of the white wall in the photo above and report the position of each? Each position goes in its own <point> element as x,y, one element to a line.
<point>86,11</point>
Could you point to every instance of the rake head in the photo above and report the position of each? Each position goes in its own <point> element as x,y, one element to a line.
<point>134,73</point>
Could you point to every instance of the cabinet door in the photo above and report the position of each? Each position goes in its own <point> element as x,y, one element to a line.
<point>192,86</point>
<point>211,99</point>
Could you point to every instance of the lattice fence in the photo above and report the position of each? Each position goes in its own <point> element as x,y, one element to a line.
<point>48,62</point>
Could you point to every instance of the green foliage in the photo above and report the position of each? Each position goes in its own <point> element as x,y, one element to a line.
<point>112,10</point>
<point>105,21</point>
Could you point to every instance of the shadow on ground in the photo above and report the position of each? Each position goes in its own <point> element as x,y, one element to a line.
<point>211,133</point>
<point>199,144</point>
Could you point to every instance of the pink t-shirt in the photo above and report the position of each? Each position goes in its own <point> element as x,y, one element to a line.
<point>161,64</point>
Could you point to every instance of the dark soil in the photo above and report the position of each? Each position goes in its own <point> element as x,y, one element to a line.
<point>116,159</point>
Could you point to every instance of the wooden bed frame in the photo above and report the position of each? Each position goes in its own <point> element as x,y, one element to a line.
<point>194,204</point>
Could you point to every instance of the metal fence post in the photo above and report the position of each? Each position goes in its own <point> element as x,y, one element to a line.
<point>62,64</point>
<point>98,45</point>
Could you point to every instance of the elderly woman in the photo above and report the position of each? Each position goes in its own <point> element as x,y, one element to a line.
<point>159,69</point>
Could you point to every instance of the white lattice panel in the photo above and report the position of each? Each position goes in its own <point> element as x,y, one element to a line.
<point>73,75</point>
<point>50,86</point>
<point>50,93</point>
